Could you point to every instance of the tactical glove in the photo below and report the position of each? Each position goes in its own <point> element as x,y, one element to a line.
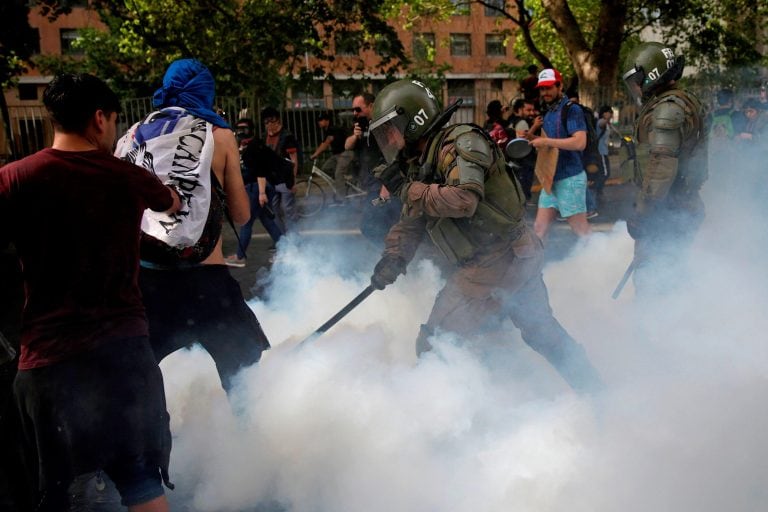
<point>387,270</point>
<point>391,176</point>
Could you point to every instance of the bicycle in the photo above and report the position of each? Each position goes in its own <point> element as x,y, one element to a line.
<point>310,194</point>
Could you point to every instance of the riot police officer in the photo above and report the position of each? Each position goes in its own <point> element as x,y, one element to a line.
<point>670,167</point>
<point>455,187</point>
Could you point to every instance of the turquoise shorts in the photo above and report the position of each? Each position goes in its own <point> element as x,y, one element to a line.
<point>569,195</point>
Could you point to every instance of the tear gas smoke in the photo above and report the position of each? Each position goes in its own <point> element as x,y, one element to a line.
<point>354,421</point>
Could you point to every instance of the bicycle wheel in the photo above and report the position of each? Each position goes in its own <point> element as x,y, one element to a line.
<point>310,197</point>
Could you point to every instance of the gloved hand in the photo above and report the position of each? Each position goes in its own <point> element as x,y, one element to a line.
<point>387,270</point>
<point>391,176</point>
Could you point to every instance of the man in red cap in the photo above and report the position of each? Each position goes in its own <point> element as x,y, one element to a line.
<point>569,187</point>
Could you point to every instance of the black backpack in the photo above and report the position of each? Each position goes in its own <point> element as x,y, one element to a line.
<point>590,156</point>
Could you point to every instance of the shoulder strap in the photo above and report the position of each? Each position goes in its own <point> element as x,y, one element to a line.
<point>564,116</point>
<point>219,191</point>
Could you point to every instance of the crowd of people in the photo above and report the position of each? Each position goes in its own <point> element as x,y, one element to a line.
<point>123,262</point>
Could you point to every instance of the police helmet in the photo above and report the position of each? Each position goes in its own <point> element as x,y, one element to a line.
<point>404,112</point>
<point>649,67</point>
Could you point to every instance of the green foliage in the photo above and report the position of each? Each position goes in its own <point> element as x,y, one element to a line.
<point>253,47</point>
<point>17,39</point>
<point>717,35</point>
<point>547,40</point>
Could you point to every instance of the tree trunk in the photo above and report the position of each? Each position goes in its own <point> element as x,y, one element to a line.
<point>596,65</point>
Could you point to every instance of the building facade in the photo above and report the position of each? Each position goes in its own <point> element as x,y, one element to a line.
<point>465,51</point>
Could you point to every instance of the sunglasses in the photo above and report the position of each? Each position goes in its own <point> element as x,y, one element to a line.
<point>271,121</point>
<point>357,110</point>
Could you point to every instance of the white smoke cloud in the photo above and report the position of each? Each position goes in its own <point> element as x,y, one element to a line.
<point>353,421</point>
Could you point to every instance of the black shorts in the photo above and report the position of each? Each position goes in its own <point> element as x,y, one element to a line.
<point>102,409</point>
<point>202,305</point>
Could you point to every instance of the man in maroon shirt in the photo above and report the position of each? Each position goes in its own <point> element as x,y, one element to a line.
<point>88,388</point>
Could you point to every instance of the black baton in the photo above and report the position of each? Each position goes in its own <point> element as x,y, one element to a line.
<point>624,279</point>
<point>341,314</point>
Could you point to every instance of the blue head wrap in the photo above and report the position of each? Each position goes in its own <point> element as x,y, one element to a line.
<point>188,84</point>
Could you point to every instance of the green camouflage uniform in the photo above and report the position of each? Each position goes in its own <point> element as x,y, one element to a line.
<point>461,196</point>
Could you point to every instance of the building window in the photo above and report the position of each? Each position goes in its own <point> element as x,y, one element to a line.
<point>35,46</point>
<point>461,45</point>
<point>382,46</point>
<point>494,45</point>
<point>461,7</point>
<point>461,89</point>
<point>423,45</point>
<point>348,43</point>
<point>27,91</point>
<point>490,11</point>
<point>68,36</point>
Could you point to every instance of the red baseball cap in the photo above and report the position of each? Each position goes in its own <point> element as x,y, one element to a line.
<point>549,77</point>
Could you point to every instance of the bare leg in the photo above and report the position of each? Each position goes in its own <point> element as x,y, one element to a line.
<point>579,224</point>
<point>544,217</point>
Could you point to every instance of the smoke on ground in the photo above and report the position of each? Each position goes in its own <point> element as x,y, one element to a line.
<point>354,421</point>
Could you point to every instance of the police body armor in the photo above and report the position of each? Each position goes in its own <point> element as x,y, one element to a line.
<point>463,155</point>
<point>671,163</point>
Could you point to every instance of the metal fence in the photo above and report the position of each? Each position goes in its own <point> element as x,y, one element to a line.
<point>31,130</point>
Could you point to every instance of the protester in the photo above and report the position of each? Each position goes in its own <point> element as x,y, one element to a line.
<point>475,214</point>
<point>755,127</point>
<point>261,193</point>
<point>724,121</point>
<point>334,138</point>
<point>672,165</point>
<point>284,143</point>
<point>593,164</point>
<point>188,300</point>
<point>16,490</point>
<point>89,389</point>
<point>528,84</point>
<point>495,124</point>
<point>569,188</point>
<point>521,125</point>
<point>604,128</point>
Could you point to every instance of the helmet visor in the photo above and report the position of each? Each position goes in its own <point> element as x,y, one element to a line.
<point>388,131</point>
<point>633,79</point>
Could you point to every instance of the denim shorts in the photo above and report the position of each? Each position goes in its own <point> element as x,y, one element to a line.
<point>569,195</point>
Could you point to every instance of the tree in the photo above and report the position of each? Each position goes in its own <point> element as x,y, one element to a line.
<point>17,43</point>
<point>592,34</point>
<point>258,47</point>
<point>595,61</point>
